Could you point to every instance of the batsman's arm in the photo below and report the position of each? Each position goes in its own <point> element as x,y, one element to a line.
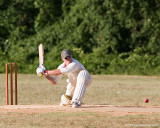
<point>52,72</point>
<point>50,79</point>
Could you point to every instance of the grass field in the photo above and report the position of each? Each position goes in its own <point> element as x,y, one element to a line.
<point>105,90</point>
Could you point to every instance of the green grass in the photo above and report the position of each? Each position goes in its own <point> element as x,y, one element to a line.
<point>105,89</point>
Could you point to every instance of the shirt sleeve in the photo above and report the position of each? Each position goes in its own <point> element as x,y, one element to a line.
<point>70,68</point>
<point>57,78</point>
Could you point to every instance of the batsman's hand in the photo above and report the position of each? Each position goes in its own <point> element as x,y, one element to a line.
<point>40,70</point>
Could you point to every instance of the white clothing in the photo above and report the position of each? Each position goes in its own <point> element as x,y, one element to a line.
<point>75,70</point>
<point>72,71</point>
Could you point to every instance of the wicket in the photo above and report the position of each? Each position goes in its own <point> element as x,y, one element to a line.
<point>11,83</point>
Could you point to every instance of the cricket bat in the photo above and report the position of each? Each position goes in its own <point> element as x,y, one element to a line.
<point>41,56</point>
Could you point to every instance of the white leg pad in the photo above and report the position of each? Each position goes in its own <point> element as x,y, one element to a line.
<point>65,100</point>
<point>70,90</point>
<point>83,80</point>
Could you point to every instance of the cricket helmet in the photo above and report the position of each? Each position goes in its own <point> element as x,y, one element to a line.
<point>65,53</point>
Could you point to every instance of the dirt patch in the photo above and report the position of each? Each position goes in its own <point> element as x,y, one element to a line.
<point>108,109</point>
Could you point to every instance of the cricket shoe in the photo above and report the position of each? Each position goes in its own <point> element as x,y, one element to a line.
<point>75,105</point>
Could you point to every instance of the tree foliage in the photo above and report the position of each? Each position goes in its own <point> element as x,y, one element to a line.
<point>108,37</point>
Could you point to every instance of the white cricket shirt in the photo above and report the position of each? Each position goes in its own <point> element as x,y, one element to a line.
<point>72,71</point>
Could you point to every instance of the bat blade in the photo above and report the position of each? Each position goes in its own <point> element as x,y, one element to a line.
<point>41,54</point>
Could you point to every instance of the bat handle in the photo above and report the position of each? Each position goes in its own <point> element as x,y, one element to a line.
<point>41,75</point>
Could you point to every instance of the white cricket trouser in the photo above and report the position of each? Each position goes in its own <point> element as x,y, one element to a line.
<point>83,80</point>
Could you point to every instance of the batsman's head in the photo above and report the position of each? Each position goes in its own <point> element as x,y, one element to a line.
<point>65,54</point>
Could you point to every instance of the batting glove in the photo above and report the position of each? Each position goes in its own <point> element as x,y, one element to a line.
<point>43,68</point>
<point>40,70</point>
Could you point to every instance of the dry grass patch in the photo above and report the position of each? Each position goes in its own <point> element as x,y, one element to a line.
<point>74,119</point>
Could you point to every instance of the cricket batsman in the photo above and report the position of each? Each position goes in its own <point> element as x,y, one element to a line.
<point>78,79</point>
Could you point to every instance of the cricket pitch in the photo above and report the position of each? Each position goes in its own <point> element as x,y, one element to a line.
<point>108,109</point>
